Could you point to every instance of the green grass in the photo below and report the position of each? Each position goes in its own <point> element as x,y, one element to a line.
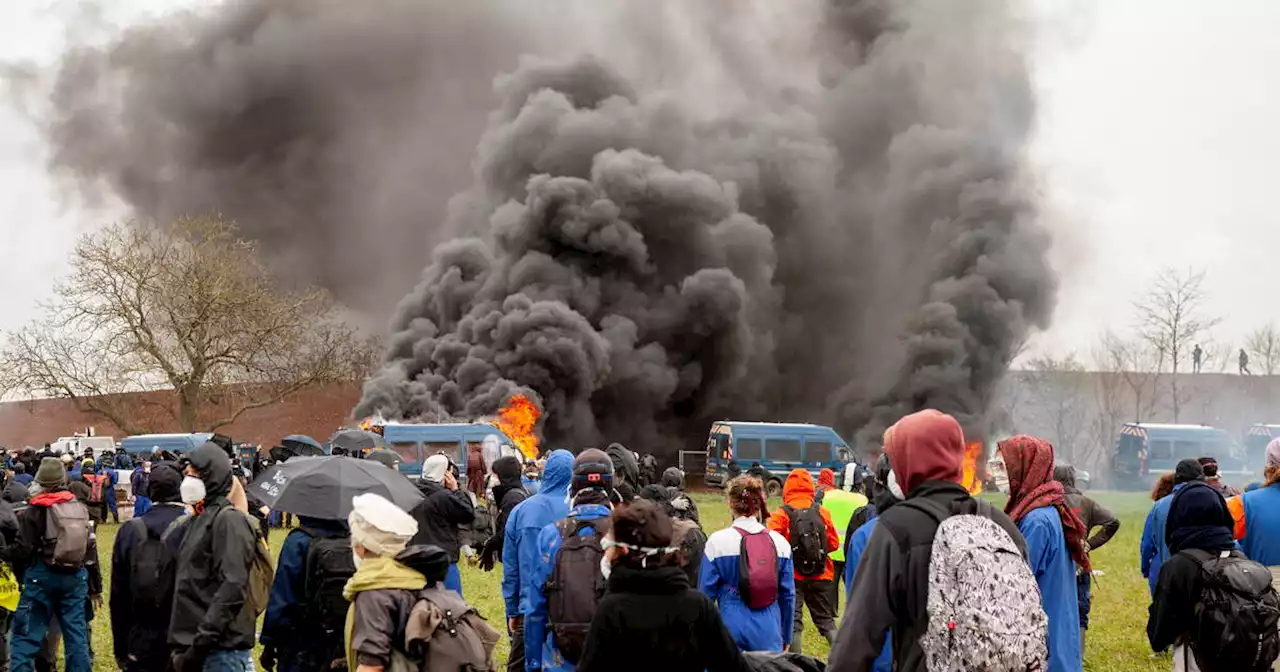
<point>1117,639</point>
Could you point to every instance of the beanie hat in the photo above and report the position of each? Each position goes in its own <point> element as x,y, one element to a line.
<point>592,469</point>
<point>380,526</point>
<point>51,475</point>
<point>165,483</point>
<point>19,468</point>
<point>1187,471</point>
<point>435,466</point>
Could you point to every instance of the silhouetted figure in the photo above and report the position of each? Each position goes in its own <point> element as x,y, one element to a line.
<point>1244,363</point>
<point>1197,359</point>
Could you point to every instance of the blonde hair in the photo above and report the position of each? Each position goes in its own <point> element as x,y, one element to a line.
<point>1271,474</point>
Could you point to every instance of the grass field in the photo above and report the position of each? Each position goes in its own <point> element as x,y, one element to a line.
<point>1117,639</point>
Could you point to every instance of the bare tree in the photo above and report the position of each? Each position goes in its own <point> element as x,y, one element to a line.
<point>1059,386</point>
<point>1138,367</point>
<point>1263,346</point>
<point>1171,319</point>
<point>188,308</point>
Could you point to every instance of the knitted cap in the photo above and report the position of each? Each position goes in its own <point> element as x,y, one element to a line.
<point>51,475</point>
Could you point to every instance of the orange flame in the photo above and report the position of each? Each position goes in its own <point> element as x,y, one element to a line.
<point>517,420</point>
<point>970,479</point>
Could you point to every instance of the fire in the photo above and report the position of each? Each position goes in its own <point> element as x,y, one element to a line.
<point>373,424</point>
<point>971,479</point>
<point>517,420</point>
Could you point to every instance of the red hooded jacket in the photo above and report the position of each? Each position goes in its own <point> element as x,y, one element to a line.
<point>798,493</point>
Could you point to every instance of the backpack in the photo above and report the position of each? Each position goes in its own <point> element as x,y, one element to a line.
<point>984,608</point>
<point>261,571</point>
<point>97,487</point>
<point>66,535</point>
<point>327,568</point>
<point>757,569</point>
<point>449,635</point>
<point>808,539</point>
<point>576,585</point>
<point>151,569</point>
<point>1237,614</point>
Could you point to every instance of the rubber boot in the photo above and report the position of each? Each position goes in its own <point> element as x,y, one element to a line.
<point>1083,633</point>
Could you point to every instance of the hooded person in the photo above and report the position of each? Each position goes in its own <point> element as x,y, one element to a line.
<point>590,493</point>
<point>443,509</point>
<point>507,493</point>
<point>626,468</point>
<point>841,505</point>
<point>686,535</point>
<point>1256,516</point>
<point>801,507</point>
<point>826,481</point>
<point>211,623</point>
<point>925,451</point>
<point>856,542</point>
<point>1153,552</point>
<point>685,507</point>
<point>1056,542</point>
<point>1198,521</point>
<point>21,475</point>
<point>1094,516</point>
<point>296,637</point>
<point>11,490</point>
<point>1211,476</point>
<point>139,486</point>
<point>142,587</point>
<point>520,546</point>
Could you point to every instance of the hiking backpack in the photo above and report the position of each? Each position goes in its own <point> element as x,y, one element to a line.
<point>984,608</point>
<point>261,571</point>
<point>66,535</point>
<point>757,569</point>
<point>327,569</point>
<point>1237,614</point>
<point>97,487</point>
<point>449,635</point>
<point>808,539</point>
<point>151,568</point>
<point>576,585</point>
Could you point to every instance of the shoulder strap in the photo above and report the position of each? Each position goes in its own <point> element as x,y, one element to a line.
<point>141,528</point>
<point>177,523</point>
<point>1200,555</point>
<point>928,507</point>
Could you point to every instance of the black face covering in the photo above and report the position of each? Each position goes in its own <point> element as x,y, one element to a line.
<point>884,500</point>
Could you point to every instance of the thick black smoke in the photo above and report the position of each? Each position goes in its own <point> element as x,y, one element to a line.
<point>808,211</point>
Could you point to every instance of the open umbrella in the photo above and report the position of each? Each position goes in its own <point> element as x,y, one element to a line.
<point>322,487</point>
<point>355,441</point>
<point>301,445</point>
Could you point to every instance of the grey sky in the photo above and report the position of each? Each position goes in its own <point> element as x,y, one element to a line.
<point>1158,146</point>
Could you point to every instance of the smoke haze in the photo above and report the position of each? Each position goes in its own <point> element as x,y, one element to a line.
<point>658,214</point>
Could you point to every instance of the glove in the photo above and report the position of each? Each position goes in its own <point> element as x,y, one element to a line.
<point>486,560</point>
<point>191,660</point>
<point>269,658</point>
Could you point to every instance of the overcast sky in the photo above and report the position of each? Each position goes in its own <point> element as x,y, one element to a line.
<point>1158,145</point>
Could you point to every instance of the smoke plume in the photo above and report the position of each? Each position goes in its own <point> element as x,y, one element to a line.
<point>666,214</point>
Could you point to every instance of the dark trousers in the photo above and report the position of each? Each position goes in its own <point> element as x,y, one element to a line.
<point>835,586</point>
<point>817,595</point>
<point>515,660</point>
<point>1084,593</point>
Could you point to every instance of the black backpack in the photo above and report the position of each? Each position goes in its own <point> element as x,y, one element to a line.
<point>1237,614</point>
<point>152,569</point>
<point>808,540</point>
<point>576,585</point>
<point>328,567</point>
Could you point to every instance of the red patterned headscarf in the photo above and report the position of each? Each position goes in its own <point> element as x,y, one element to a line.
<point>1029,462</point>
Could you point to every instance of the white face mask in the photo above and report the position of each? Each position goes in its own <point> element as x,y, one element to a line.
<point>894,487</point>
<point>192,490</point>
<point>999,474</point>
<point>605,567</point>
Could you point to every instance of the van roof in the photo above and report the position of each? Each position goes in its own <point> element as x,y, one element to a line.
<point>446,431</point>
<point>1161,429</point>
<point>780,428</point>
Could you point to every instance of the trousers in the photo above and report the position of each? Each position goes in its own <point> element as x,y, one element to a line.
<point>46,595</point>
<point>817,595</point>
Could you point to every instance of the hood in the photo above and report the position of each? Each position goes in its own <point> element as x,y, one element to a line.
<point>51,498</point>
<point>655,581</point>
<point>324,524</point>
<point>925,446</point>
<point>557,474</point>
<point>798,492</point>
<point>214,468</point>
<point>164,484</point>
<point>827,479</point>
<point>1199,519</point>
<point>673,478</point>
<point>434,468</point>
<point>1066,475</point>
<point>1187,471</point>
<point>430,561</point>
<point>508,471</point>
<point>624,463</point>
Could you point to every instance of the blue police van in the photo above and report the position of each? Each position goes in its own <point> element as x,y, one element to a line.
<point>414,443</point>
<point>1146,450</point>
<point>777,447</point>
<point>178,444</point>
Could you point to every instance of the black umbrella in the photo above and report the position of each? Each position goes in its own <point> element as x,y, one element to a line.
<point>301,445</point>
<point>322,487</point>
<point>355,441</point>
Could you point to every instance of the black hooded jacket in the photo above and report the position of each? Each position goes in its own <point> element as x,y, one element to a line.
<point>507,494</point>
<point>209,604</point>
<point>625,468</point>
<point>439,515</point>
<point>686,508</point>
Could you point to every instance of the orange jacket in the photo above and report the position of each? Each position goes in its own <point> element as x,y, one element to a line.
<point>798,493</point>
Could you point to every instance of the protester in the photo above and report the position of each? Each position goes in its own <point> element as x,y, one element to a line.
<point>566,583</point>
<point>1163,487</point>
<point>143,566</point>
<point>138,481</point>
<point>99,487</point>
<point>507,493</point>
<point>212,627</point>
<point>385,586</point>
<point>1056,541</point>
<point>113,503</point>
<point>650,611</point>
<point>768,626</point>
<point>306,612</point>
<point>841,505</point>
<point>532,478</point>
<point>1210,466</point>
<point>1199,536</point>
<point>1256,516</point>
<point>520,550</point>
<point>807,526</point>
<point>1153,552</point>
<point>475,469</point>
<point>685,534</point>
<point>52,556</point>
<point>11,491</point>
<point>686,508</point>
<point>20,474</point>
<point>857,543</point>
<point>444,507</point>
<point>1093,515</point>
<point>891,587</point>
<point>826,481</point>
<point>648,470</point>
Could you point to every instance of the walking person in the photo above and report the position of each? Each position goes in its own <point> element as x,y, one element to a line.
<point>807,526</point>
<point>143,570</point>
<point>764,619</point>
<point>507,493</point>
<point>139,485</point>
<point>1094,516</point>
<point>841,505</point>
<point>1256,516</point>
<point>520,553</point>
<point>1153,552</point>
<point>444,508</point>
<point>650,610</point>
<point>685,534</point>
<point>99,486</point>
<point>306,613</point>
<point>1244,363</point>
<point>213,626</point>
<point>857,543</point>
<point>686,509</point>
<point>1056,541</point>
<point>52,555</point>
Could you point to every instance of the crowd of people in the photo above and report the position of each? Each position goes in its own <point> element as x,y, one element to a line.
<point>605,564</point>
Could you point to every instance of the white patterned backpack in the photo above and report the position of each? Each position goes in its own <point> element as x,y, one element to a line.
<point>984,605</point>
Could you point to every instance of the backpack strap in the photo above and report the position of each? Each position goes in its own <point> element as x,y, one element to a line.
<point>141,528</point>
<point>174,526</point>
<point>929,508</point>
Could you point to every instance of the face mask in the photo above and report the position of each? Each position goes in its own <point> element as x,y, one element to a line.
<point>192,490</point>
<point>356,559</point>
<point>999,474</point>
<point>894,487</point>
<point>605,567</point>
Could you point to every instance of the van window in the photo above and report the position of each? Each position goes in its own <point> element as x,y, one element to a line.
<point>817,451</point>
<point>448,448</point>
<point>407,450</point>
<point>1161,450</point>
<point>1185,449</point>
<point>749,450</point>
<point>720,447</point>
<point>782,450</point>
